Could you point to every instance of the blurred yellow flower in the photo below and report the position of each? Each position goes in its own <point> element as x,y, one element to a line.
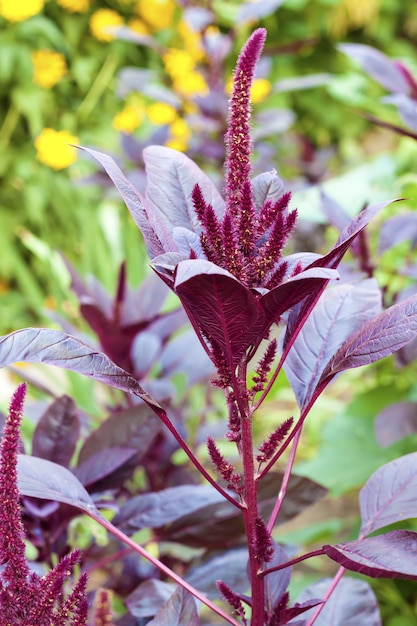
<point>74,6</point>
<point>129,118</point>
<point>138,26</point>
<point>353,14</point>
<point>161,113</point>
<point>261,87</point>
<point>102,21</point>
<point>49,67</point>
<point>19,10</point>
<point>178,63</point>
<point>192,41</point>
<point>53,149</point>
<point>159,14</point>
<point>191,84</point>
<point>179,135</point>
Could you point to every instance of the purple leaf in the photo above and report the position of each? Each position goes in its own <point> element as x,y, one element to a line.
<point>57,432</point>
<point>256,10</point>
<point>53,347</point>
<point>153,510</point>
<point>171,177</point>
<point>406,108</point>
<point>180,610</point>
<point>230,566</point>
<point>102,464</point>
<point>378,66</point>
<point>352,603</point>
<point>384,334</point>
<point>398,229</point>
<point>339,312</point>
<point>144,351</point>
<point>132,428</point>
<point>389,496</point>
<point>267,186</point>
<point>395,422</point>
<point>149,597</point>
<point>333,258</point>
<point>276,583</point>
<point>133,200</point>
<point>219,307</point>
<point>293,611</point>
<point>39,478</point>
<point>183,354</point>
<point>288,294</point>
<point>392,555</point>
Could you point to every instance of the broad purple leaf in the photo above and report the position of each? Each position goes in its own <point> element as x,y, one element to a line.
<point>171,177</point>
<point>384,334</point>
<point>40,478</point>
<point>276,583</point>
<point>149,597</point>
<point>184,355</point>
<point>288,294</point>
<point>56,434</point>
<point>230,566</point>
<point>53,347</point>
<point>395,422</point>
<point>267,186</point>
<point>392,555</point>
<point>132,428</point>
<point>102,464</point>
<point>378,66</point>
<point>389,496</point>
<point>180,610</point>
<point>340,311</point>
<point>333,258</point>
<point>133,200</point>
<point>153,510</point>
<point>406,107</point>
<point>220,524</point>
<point>398,229</point>
<point>293,611</point>
<point>256,10</point>
<point>219,307</point>
<point>144,351</point>
<point>352,603</point>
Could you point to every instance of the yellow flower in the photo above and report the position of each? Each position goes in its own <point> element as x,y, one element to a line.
<point>138,26</point>
<point>191,84</point>
<point>192,41</point>
<point>49,67</point>
<point>158,14</point>
<point>353,14</point>
<point>74,6</point>
<point>128,119</point>
<point>19,10</point>
<point>261,87</point>
<point>102,21</point>
<point>161,113</point>
<point>53,149</point>
<point>179,135</point>
<point>178,63</point>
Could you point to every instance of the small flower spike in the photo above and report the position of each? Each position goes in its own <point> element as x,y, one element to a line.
<point>232,598</point>
<point>262,542</point>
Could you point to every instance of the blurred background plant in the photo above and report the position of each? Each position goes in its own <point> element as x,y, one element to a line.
<point>118,75</point>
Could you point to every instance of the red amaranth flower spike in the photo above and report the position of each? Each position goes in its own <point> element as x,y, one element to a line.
<point>262,542</point>
<point>270,446</point>
<point>232,598</point>
<point>238,140</point>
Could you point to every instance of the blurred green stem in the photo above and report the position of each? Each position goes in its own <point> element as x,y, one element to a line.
<point>9,124</point>
<point>98,87</point>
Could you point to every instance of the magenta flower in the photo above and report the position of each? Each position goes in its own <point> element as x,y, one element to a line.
<point>223,257</point>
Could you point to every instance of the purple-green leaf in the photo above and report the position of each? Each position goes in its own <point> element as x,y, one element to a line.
<point>389,496</point>
<point>395,422</point>
<point>379,337</point>
<point>392,555</point>
<point>340,311</point>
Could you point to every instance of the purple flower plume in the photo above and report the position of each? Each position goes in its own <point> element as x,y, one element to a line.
<point>25,597</point>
